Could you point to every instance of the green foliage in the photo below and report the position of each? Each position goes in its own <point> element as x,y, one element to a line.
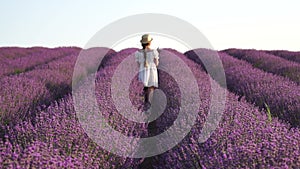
<point>17,71</point>
<point>268,112</point>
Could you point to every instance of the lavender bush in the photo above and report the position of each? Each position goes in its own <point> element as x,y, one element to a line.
<point>289,55</point>
<point>55,140</point>
<point>259,87</point>
<point>18,60</point>
<point>19,95</point>
<point>269,63</point>
<point>245,137</point>
<point>57,131</point>
<point>42,85</point>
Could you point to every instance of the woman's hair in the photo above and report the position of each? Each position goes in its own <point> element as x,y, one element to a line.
<point>144,45</point>
<point>144,51</point>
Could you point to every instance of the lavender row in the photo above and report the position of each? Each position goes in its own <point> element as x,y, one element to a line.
<point>289,55</point>
<point>17,52</point>
<point>262,88</point>
<point>104,82</point>
<point>25,59</point>
<point>269,63</point>
<point>58,132</point>
<point>228,147</point>
<point>245,137</point>
<point>55,140</point>
<point>24,92</point>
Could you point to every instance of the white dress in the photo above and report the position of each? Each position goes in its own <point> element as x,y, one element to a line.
<point>148,76</point>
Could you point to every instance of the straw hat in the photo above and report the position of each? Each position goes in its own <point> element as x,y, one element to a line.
<point>146,39</point>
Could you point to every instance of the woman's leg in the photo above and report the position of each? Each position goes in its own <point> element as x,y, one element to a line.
<point>150,93</point>
<point>145,94</point>
<point>146,101</point>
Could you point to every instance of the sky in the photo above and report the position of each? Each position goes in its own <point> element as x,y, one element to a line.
<point>226,24</point>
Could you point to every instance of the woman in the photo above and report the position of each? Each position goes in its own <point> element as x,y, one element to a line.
<point>147,60</point>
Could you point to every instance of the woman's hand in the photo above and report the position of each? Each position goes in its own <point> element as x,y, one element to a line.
<point>156,61</point>
<point>158,50</point>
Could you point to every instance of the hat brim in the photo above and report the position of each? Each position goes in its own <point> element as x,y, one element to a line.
<point>145,42</point>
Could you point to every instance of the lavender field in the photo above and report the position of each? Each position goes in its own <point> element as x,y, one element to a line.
<point>39,126</point>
